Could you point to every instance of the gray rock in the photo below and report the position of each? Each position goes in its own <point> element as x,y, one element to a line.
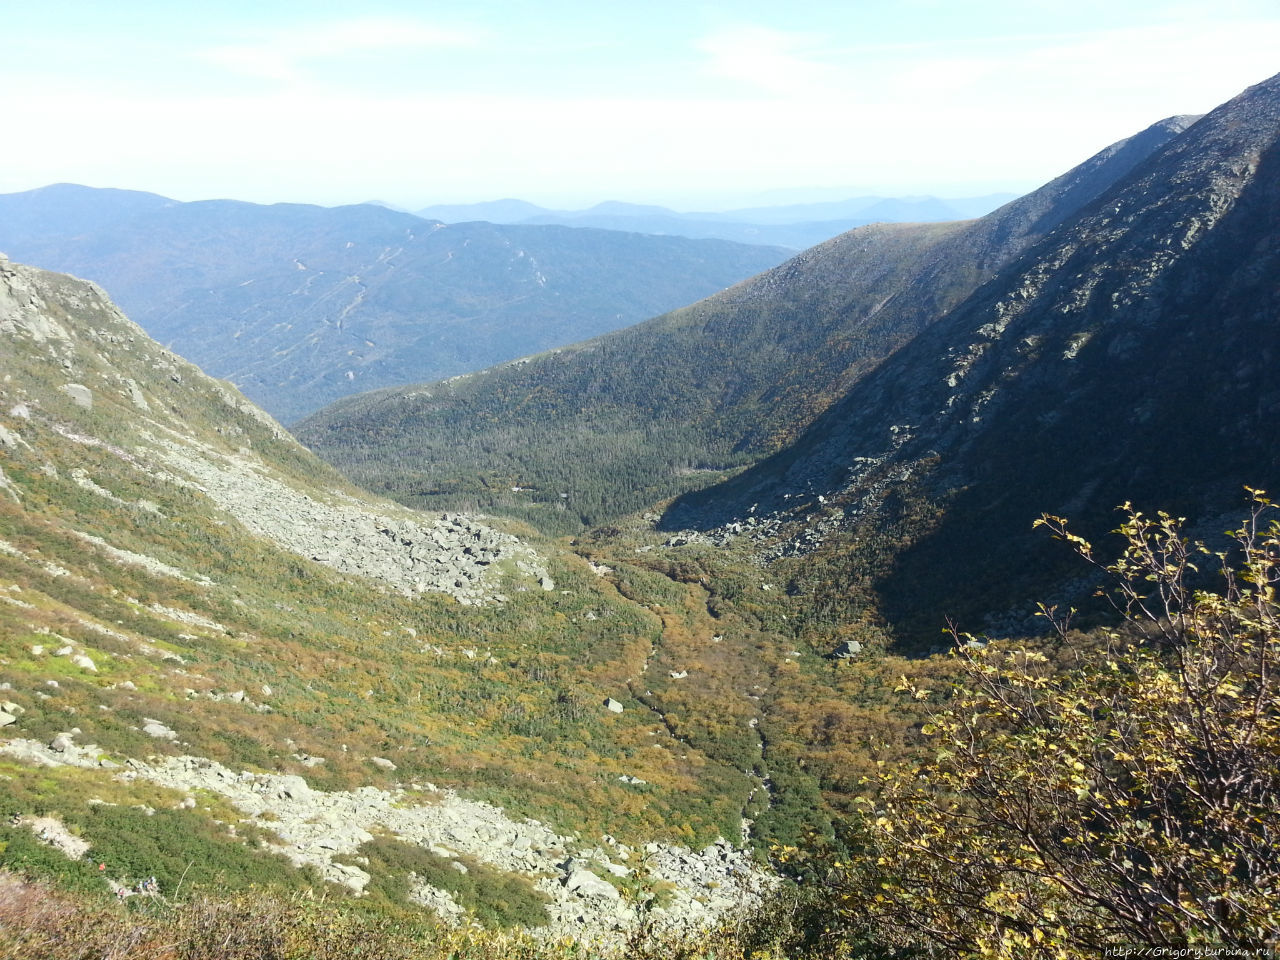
<point>154,728</point>
<point>587,884</point>
<point>292,787</point>
<point>61,743</point>
<point>846,650</point>
<point>80,395</point>
<point>7,718</point>
<point>612,705</point>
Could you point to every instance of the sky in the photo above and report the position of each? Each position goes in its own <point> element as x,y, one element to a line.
<point>694,105</point>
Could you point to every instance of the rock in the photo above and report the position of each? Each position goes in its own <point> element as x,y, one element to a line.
<point>82,661</point>
<point>61,743</point>
<point>382,762</point>
<point>679,674</point>
<point>587,884</point>
<point>80,395</point>
<point>8,706</point>
<point>547,584</point>
<point>292,787</point>
<point>154,728</point>
<point>612,705</point>
<point>846,650</point>
<point>460,866</point>
<point>7,718</point>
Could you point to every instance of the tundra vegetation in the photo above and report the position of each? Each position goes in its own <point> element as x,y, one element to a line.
<point>1066,793</point>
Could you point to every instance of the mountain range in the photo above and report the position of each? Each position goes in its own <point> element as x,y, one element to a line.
<point>628,419</point>
<point>796,225</point>
<point>300,305</point>
<point>1101,339</point>
<point>227,670</point>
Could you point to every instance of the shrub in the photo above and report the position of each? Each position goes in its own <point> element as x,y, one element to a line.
<point>1131,799</point>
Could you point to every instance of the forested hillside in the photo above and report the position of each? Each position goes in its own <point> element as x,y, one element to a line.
<point>300,305</point>
<point>590,432</point>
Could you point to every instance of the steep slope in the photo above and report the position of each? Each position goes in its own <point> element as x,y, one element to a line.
<point>590,432</point>
<point>300,305</point>
<point>1127,356</point>
<point>200,620</point>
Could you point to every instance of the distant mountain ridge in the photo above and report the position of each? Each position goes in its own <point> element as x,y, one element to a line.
<point>791,225</point>
<point>300,305</point>
<point>676,401</point>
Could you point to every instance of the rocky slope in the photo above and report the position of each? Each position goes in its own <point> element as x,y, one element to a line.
<point>1126,356</point>
<point>66,387</point>
<point>301,305</point>
<point>323,829</point>
<point>639,415</point>
<point>197,616</point>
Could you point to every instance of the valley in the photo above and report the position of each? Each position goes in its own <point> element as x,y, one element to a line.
<point>667,642</point>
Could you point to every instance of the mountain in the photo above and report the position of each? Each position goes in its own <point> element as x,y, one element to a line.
<point>493,211</point>
<point>796,226</point>
<point>223,666</point>
<point>300,305</point>
<point>593,431</point>
<point>68,209</point>
<point>1126,356</point>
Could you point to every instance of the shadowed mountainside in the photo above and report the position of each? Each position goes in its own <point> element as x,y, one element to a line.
<point>589,432</point>
<point>1127,356</point>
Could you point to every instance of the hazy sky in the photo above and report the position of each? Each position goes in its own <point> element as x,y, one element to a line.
<point>692,104</point>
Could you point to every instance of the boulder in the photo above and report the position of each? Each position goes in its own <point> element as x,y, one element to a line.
<point>587,884</point>
<point>612,705</point>
<point>846,650</point>
<point>61,743</point>
<point>154,728</point>
<point>80,395</point>
<point>291,787</point>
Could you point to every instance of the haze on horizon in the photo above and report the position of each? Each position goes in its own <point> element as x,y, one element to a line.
<point>564,103</point>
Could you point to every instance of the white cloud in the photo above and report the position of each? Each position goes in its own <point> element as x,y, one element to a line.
<point>766,60</point>
<point>284,56</point>
<point>796,111</point>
